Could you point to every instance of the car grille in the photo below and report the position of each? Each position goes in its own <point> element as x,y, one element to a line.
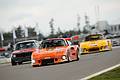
<point>27,54</point>
<point>47,61</point>
<point>94,49</point>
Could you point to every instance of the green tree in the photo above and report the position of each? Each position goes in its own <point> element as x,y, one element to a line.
<point>52,28</point>
<point>18,32</point>
<point>31,32</point>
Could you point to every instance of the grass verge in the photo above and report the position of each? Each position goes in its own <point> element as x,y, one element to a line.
<point>110,75</point>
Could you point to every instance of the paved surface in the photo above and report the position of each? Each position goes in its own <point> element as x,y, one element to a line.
<point>87,65</point>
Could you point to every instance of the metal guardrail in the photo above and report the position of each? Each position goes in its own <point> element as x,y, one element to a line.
<point>5,57</point>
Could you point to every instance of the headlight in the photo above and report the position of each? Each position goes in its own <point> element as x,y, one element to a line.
<point>33,61</point>
<point>14,55</point>
<point>63,57</point>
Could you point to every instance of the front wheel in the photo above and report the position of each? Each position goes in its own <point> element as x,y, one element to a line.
<point>68,58</point>
<point>13,63</point>
<point>19,63</point>
<point>77,55</point>
<point>35,65</point>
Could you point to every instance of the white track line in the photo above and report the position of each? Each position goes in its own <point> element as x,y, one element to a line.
<point>101,72</point>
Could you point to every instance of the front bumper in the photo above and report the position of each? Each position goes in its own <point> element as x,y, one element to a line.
<point>95,49</point>
<point>45,61</point>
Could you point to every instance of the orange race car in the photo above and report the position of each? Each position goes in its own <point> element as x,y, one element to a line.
<point>55,50</point>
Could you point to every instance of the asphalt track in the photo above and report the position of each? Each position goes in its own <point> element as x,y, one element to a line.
<point>87,65</point>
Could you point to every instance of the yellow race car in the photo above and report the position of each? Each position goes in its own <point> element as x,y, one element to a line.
<point>95,43</point>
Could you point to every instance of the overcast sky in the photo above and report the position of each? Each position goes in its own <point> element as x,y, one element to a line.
<point>64,12</point>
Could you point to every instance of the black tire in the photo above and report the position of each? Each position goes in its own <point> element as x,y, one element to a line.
<point>35,65</point>
<point>19,63</point>
<point>77,58</point>
<point>13,63</point>
<point>68,60</point>
<point>77,55</point>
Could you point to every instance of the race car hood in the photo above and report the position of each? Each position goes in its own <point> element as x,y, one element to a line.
<point>50,52</point>
<point>94,43</point>
<point>23,51</point>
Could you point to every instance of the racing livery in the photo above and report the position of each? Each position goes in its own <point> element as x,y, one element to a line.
<point>22,51</point>
<point>55,50</point>
<point>95,43</point>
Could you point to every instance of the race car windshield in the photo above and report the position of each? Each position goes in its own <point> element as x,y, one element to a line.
<point>93,37</point>
<point>52,43</point>
<point>25,45</point>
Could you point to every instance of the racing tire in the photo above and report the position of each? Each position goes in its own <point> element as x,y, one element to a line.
<point>19,63</point>
<point>13,63</point>
<point>69,60</point>
<point>78,56</point>
<point>35,65</point>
